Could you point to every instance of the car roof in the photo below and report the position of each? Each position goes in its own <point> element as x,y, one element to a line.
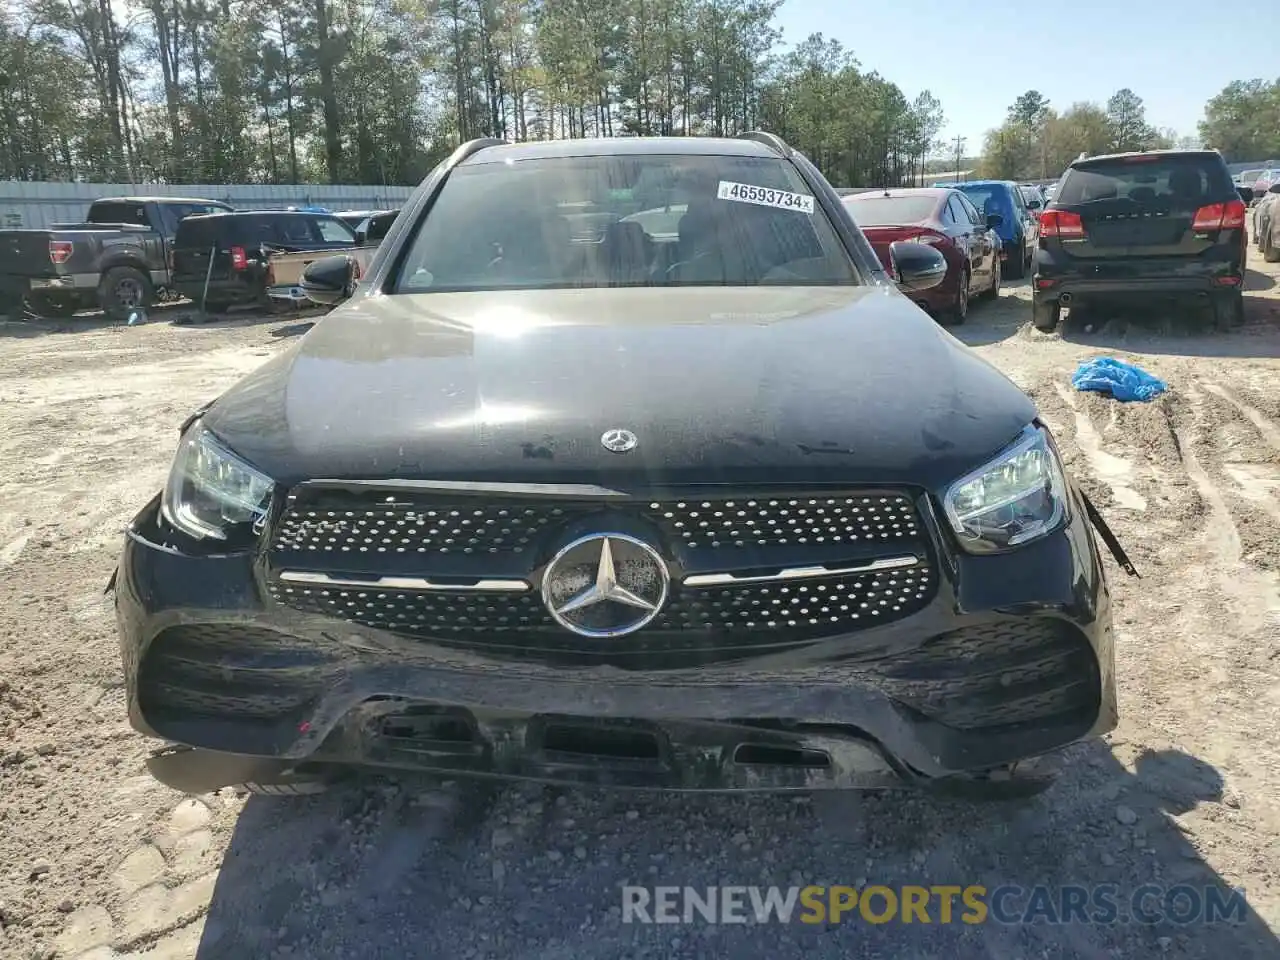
<point>1148,153</point>
<point>620,146</point>
<point>159,200</point>
<point>982,183</point>
<point>234,214</point>
<point>891,192</point>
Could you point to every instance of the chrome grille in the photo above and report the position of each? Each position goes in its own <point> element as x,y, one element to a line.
<point>760,521</point>
<point>396,527</point>
<point>334,523</point>
<point>826,604</point>
<point>724,616</point>
<point>464,569</point>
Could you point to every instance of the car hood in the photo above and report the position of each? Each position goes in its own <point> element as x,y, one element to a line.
<point>762,385</point>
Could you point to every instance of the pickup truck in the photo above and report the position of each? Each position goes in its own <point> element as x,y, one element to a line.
<point>285,269</point>
<point>117,259</point>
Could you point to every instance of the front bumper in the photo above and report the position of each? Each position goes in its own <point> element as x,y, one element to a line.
<point>1011,659</point>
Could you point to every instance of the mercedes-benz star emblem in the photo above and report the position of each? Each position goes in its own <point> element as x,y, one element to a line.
<point>605,585</point>
<point>619,441</point>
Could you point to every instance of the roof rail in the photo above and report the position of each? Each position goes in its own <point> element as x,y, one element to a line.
<point>472,147</point>
<point>770,140</point>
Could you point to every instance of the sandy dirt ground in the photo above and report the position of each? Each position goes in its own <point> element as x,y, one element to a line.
<point>97,861</point>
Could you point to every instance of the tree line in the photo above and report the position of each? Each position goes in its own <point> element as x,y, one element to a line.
<point>1037,142</point>
<point>1243,121</point>
<point>377,91</point>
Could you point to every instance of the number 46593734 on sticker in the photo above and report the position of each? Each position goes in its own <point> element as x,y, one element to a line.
<point>765,196</point>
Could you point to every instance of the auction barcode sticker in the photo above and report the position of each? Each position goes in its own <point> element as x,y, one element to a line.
<point>764,196</point>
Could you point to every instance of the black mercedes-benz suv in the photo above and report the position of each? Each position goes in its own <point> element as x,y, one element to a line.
<point>1166,226</point>
<point>626,464</point>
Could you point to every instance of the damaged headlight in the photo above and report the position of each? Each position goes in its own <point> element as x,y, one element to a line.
<point>1016,498</point>
<point>212,492</point>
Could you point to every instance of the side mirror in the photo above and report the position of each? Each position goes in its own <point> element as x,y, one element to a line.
<point>916,266</point>
<point>994,220</point>
<point>1034,205</point>
<point>1246,194</point>
<point>361,238</point>
<point>329,280</point>
<point>1274,188</point>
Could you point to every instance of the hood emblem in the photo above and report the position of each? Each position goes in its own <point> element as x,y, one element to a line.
<point>619,441</point>
<point>605,585</point>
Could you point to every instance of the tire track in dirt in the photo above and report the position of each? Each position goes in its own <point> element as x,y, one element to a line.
<point>1212,651</point>
<point>1127,459</point>
<point>1251,474</point>
<point>1265,426</point>
<point>1238,593</point>
<point>1116,472</point>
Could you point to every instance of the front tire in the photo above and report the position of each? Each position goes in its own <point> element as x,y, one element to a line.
<point>123,290</point>
<point>1045,316</point>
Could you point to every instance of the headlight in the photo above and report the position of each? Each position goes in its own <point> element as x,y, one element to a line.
<point>1019,496</point>
<point>211,492</point>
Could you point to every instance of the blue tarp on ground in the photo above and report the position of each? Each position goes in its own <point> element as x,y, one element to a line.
<point>1122,380</point>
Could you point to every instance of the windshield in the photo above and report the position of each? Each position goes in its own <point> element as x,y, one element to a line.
<point>872,211</point>
<point>605,221</point>
<point>1149,180</point>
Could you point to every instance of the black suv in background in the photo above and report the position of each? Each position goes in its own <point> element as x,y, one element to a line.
<point>1167,224</point>
<point>240,244</point>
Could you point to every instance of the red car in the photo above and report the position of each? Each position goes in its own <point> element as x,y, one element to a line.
<point>942,218</point>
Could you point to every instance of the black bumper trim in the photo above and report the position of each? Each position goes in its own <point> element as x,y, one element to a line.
<point>298,676</point>
<point>264,717</point>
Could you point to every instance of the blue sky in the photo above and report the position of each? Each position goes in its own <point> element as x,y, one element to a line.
<point>976,59</point>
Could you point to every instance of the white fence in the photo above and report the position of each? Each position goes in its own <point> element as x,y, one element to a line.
<point>28,204</point>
